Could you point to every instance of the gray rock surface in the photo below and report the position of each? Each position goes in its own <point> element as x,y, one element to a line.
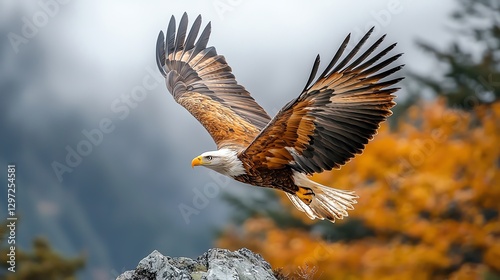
<point>213,265</point>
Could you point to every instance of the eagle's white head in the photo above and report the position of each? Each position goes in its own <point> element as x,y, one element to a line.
<point>224,161</point>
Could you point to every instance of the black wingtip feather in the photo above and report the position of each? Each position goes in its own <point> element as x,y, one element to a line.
<point>181,33</point>
<point>160,53</point>
<point>170,39</point>
<point>386,73</point>
<point>390,82</point>
<point>314,71</point>
<point>193,33</point>
<point>202,42</point>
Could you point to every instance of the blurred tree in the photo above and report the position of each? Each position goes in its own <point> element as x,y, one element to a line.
<point>41,264</point>
<point>472,61</point>
<point>428,209</point>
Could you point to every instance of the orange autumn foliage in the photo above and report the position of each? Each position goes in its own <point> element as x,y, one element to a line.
<point>429,194</point>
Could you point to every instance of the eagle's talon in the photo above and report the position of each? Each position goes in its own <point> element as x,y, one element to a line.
<point>305,194</point>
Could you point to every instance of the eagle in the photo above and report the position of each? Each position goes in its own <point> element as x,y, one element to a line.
<point>331,120</point>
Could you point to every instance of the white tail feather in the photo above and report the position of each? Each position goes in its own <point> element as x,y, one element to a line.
<point>328,203</point>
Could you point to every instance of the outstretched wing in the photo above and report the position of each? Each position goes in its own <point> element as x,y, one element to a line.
<point>333,119</point>
<point>201,81</point>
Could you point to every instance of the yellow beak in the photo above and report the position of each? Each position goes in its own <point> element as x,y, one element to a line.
<point>196,161</point>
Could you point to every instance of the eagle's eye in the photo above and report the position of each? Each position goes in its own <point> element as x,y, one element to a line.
<point>208,157</point>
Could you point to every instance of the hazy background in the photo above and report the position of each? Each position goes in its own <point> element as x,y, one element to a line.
<point>122,201</point>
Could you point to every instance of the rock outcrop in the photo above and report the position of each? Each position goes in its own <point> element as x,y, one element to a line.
<point>213,265</point>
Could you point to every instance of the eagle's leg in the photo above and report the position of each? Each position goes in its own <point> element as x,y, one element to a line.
<point>305,194</point>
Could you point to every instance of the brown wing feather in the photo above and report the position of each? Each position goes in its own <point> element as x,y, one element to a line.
<point>333,119</point>
<point>201,81</point>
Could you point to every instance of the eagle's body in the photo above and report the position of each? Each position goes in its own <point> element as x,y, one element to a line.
<point>323,128</point>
